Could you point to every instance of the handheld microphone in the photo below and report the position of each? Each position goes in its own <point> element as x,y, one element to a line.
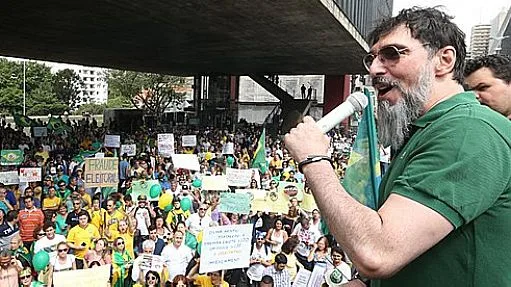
<point>356,102</point>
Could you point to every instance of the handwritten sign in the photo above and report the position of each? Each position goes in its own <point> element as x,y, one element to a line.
<point>151,262</point>
<point>113,141</point>
<point>238,177</point>
<point>234,202</point>
<point>186,161</point>
<point>40,131</point>
<point>218,182</point>
<point>9,177</point>
<point>129,149</point>
<point>189,140</point>
<point>166,144</point>
<point>226,247</point>
<point>101,172</point>
<point>302,277</point>
<point>30,174</point>
<point>98,276</point>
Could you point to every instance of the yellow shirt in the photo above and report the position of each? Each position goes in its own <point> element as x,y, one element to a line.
<point>112,221</point>
<point>205,281</point>
<point>87,199</point>
<point>128,241</point>
<point>78,235</point>
<point>97,217</point>
<point>51,203</point>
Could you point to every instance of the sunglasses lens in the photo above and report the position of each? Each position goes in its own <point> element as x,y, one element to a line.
<point>390,53</point>
<point>368,61</point>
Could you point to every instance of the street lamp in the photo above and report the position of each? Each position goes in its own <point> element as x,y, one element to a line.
<point>13,76</point>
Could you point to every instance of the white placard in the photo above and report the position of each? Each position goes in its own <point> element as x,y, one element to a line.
<point>225,247</point>
<point>166,144</point>
<point>97,276</point>
<point>301,278</point>
<point>186,161</point>
<point>238,177</point>
<point>30,174</point>
<point>40,131</point>
<point>129,149</point>
<point>113,141</point>
<point>317,276</point>
<point>189,140</point>
<point>99,155</point>
<point>217,182</point>
<point>9,177</point>
<point>228,148</point>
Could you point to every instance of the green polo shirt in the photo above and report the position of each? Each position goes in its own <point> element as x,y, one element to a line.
<point>458,163</point>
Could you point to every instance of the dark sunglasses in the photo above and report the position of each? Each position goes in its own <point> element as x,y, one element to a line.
<point>25,277</point>
<point>63,250</point>
<point>41,234</point>
<point>151,277</point>
<point>120,243</point>
<point>202,209</point>
<point>390,54</point>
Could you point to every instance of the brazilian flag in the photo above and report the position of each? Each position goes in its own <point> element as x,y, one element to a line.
<point>58,126</point>
<point>11,157</point>
<point>23,121</point>
<point>260,154</point>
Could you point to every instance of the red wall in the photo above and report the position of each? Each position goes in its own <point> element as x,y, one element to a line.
<point>337,89</point>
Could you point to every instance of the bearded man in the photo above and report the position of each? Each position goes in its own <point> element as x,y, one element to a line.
<point>445,204</point>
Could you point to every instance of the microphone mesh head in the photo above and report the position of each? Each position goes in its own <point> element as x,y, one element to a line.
<point>359,100</point>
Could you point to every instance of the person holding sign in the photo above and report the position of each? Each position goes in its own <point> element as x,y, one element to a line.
<point>81,236</point>
<point>213,278</point>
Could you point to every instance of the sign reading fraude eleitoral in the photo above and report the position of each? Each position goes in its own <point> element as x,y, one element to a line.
<point>101,172</point>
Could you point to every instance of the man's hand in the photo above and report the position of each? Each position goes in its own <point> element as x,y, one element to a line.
<point>306,139</point>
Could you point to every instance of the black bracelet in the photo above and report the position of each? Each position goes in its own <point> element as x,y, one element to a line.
<point>313,158</point>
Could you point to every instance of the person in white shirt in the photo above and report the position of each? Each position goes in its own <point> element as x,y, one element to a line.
<point>140,266</point>
<point>260,258</point>
<point>315,223</point>
<point>49,242</point>
<point>177,256</point>
<point>198,221</point>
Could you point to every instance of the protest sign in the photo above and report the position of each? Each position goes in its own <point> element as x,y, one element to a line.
<point>218,182</point>
<point>98,277</point>
<point>234,202</point>
<point>308,203</point>
<point>30,174</point>
<point>166,144</point>
<point>9,177</point>
<point>186,161</point>
<point>40,131</point>
<point>101,172</point>
<point>317,276</point>
<point>302,277</point>
<point>139,187</point>
<point>253,193</point>
<point>189,140</point>
<point>99,155</point>
<point>113,141</point>
<point>238,177</point>
<point>151,262</point>
<point>291,189</point>
<point>129,149</point>
<point>225,247</point>
<point>274,201</point>
<point>228,148</point>
<point>11,157</point>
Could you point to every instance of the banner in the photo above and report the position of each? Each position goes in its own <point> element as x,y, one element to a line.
<point>275,201</point>
<point>113,141</point>
<point>166,144</point>
<point>30,174</point>
<point>218,182</point>
<point>98,277</point>
<point>189,140</point>
<point>234,202</point>
<point>308,203</point>
<point>101,172</point>
<point>291,189</point>
<point>228,148</point>
<point>129,149</point>
<point>253,193</point>
<point>186,161</point>
<point>40,131</point>
<point>225,247</point>
<point>9,177</point>
<point>139,187</point>
<point>239,177</point>
<point>11,157</point>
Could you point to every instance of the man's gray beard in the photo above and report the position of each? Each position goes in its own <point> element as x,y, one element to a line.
<point>394,121</point>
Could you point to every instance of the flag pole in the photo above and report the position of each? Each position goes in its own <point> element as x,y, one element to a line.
<point>373,147</point>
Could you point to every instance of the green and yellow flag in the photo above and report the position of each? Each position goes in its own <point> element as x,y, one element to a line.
<point>22,121</point>
<point>11,157</point>
<point>58,126</point>
<point>260,154</point>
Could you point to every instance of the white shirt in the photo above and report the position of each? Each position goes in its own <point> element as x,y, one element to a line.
<point>49,245</point>
<point>140,217</point>
<point>176,259</point>
<point>196,224</point>
<point>67,265</point>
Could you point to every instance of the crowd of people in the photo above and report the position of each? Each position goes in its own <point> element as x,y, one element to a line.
<point>81,227</point>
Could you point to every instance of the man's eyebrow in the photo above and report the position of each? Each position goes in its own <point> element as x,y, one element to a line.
<point>478,86</point>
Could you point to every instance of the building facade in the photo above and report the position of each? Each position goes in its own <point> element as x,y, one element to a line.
<point>479,40</point>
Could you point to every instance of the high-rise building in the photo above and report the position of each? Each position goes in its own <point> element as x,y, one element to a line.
<point>479,40</point>
<point>497,30</point>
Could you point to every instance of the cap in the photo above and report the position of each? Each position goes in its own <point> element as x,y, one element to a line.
<point>335,278</point>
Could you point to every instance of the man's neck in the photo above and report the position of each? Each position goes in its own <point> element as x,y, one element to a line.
<point>442,90</point>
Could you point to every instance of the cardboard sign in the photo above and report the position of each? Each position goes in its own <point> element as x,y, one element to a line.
<point>228,148</point>
<point>9,177</point>
<point>218,182</point>
<point>234,202</point>
<point>189,140</point>
<point>40,131</point>
<point>30,174</point>
<point>113,141</point>
<point>101,172</point>
<point>139,187</point>
<point>129,149</point>
<point>185,161</point>
<point>98,276</point>
<point>239,177</point>
<point>166,144</point>
<point>225,247</point>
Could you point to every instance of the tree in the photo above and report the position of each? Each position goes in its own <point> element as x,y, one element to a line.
<point>67,86</point>
<point>152,93</point>
<point>91,108</point>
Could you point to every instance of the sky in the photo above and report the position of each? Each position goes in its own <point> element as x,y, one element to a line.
<point>467,13</point>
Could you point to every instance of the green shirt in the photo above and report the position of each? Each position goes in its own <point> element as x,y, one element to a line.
<point>458,163</point>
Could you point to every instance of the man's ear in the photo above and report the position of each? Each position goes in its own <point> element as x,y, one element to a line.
<point>445,60</point>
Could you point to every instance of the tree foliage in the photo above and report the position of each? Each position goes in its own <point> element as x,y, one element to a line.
<point>67,86</point>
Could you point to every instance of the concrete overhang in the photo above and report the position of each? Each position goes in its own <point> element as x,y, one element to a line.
<point>189,37</point>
